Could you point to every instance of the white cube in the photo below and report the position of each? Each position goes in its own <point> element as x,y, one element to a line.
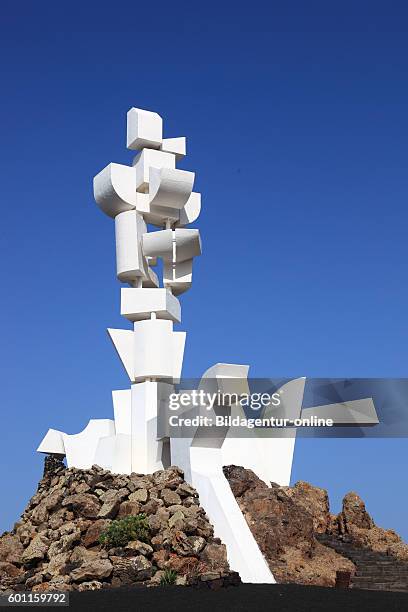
<point>144,129</point>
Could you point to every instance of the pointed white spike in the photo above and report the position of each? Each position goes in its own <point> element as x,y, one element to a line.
<point>123,342</point>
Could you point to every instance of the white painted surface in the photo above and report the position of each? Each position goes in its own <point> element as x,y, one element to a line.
<point>122,407</point>
<point>175,145</point>
<point>123,342</point>
<point>145,161</point>
<point>80,448</point>
<point>52,443</point>
<point>144,129</point>
<point>139,304</point>
<point>170,188</point>
<point>130,261</point>
<point>115,189</point>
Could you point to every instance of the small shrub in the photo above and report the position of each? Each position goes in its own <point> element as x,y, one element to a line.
<point>124,530</point>
<point>169,577</point>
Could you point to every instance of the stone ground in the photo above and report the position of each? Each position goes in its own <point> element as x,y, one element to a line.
<point>244,598</point>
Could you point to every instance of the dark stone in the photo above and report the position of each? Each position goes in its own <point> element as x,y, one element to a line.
<point>53,465</point>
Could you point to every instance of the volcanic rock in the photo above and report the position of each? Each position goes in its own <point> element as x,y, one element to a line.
<point>56,544</point>
<point>283,523</point>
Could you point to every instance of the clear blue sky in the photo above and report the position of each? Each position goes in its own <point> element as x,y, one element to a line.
<point>297,126</point>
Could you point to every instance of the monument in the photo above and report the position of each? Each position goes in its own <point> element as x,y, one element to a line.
<point>153,192</point>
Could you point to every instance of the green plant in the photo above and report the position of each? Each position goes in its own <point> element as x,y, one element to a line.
<point>122,531</point>
<point>169,577</point>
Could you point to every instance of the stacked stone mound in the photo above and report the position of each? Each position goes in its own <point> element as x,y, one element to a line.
<point>284,521</point>
<point>55,545</point>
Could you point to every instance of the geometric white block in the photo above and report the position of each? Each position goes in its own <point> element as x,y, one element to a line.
<point>173,246</point>
<point>122,407</point>
<point>353,412</point>
<point>170,188</point>
<point>52,443</point>
<point>179,341</point>
<point>150,280</point>
<point>115,189</point>
<point>175,145</point>
<point>158,215</point>
<point>178,277</point>
<point>130,263</point>
<point>188,244</point>
<point>158,350</point>
<point>149,158</point>
<point>144,129</point>
<point>138,304</point>
<point>158,244</point>
<point>146,448</point>
<point>191,210</point>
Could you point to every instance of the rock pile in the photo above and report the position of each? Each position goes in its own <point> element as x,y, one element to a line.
<point>283,521</point>
<point>55,545</point>
<point>286,520</point>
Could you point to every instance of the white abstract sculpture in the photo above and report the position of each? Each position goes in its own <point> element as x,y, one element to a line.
<point>153,191</point>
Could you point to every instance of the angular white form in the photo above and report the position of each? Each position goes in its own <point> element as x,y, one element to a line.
<point>147,450</point>
<point>144,129</point>
<point>139,304</point>
<point>80,448</point>
<point>178,277</point>
<point>123,342</point>
<point>175,145</point>
<point>202,461</point>
<point>354,412</point>
<point>170,188</point>
<point>159,244</point>
<point>158,350</point>
<point>188,244</point>
<point>191,210</point>
<point>260,445</point>
<point>148,159</point>
<point>52,443</point>
<point>172,245</point>
<point>122,409</point>
<point>177,249</point>
<point>223,511</point>
<point>115,189</point>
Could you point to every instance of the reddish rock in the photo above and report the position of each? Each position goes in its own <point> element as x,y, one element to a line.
<point>36,550</point>
<point>8,570</point>
<point>182,565</point>
<point>160,557</point>
<point>11,548</point>
<point>83,504</point>
<point>215,557</point>
<point>355,522</point>
<point>127,571</point>
<point>128,507</point>
<point>92,569</point>
<point>354,513</point>
<point>94,531</point>
<point>282,522</point>
<point>315,501</point>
